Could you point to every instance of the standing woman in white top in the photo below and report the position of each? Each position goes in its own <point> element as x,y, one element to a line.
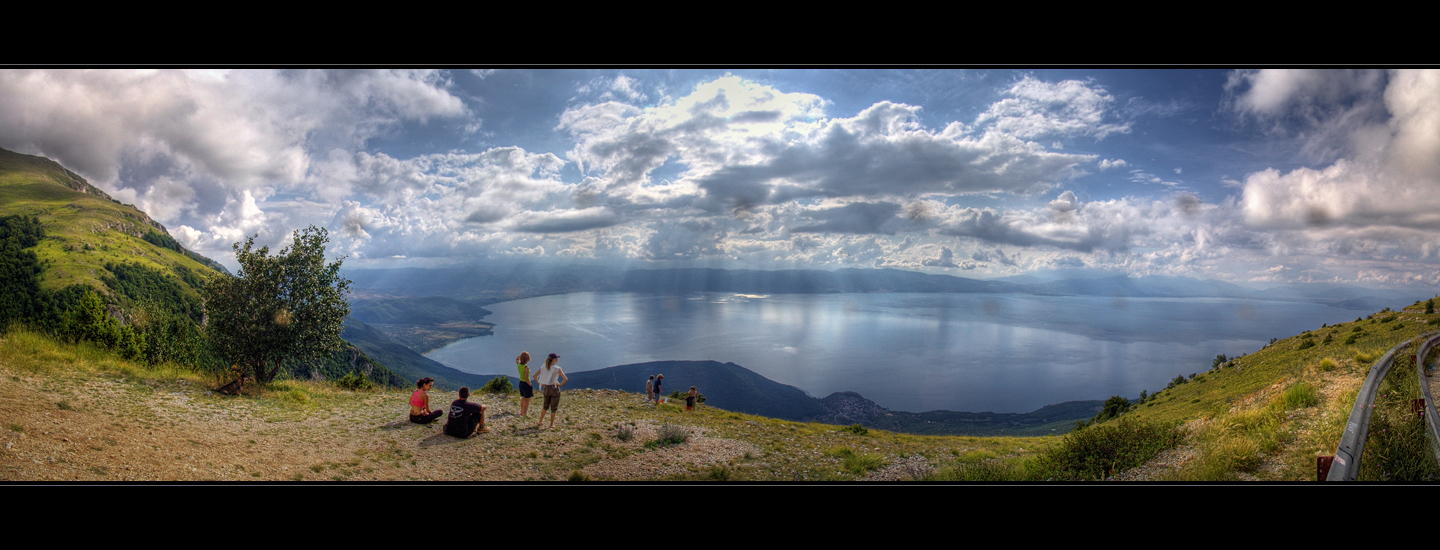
<point>550,378</point>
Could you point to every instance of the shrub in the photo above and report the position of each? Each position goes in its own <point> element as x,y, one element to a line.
<point>1114,407</point>
<point>719,472</point>
<point>855,463</point>
<point>499,384</point>
<point>855,429</point>
<point>577,475</point>
<point>1100,451</point>
<point>354,381</point>
<point>1327,365</point>
<point>858,464</point>
<point>1300,396</point>
<point>1219,360</point>
<point>990,470</point>
<point>624,432</point>
<point>669,435</point>
<point>1307,344</point>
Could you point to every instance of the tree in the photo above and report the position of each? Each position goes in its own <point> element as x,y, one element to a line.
<point>290,306</point>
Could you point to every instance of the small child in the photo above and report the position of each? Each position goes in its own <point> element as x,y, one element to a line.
<point>690,399</point>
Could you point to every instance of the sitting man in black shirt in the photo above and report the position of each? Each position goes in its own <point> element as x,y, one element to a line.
<point>466,418</point>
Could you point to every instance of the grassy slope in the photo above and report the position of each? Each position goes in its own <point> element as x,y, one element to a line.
<point>1241,423</point>
<point>83,229</point>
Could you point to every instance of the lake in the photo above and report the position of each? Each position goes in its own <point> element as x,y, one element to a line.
<point>905,351</point>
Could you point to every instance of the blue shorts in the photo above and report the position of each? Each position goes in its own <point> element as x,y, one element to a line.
<point>526,391</point>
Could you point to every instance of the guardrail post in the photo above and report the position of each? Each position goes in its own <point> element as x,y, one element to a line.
<point>1322,467</point>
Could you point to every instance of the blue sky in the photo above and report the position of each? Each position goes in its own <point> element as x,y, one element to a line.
<point>1249,176</point>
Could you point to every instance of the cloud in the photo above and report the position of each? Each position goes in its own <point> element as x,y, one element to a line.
<point>1106,164</point>
<point>1141,176</point>
<point>567,220</point>
<point>1383,193</point>
<point>862,218</point>
<point>744,145</point>
<point>1333,113</point>
<point>1036,109</point>
<point>946,259</point>
<point>883,152</point>
<point>246,127</point>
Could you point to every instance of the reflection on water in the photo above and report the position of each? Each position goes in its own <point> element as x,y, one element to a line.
<point>906,351</point>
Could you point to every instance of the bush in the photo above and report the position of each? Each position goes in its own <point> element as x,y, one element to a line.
<point>858,464</point>
<point>499,384</point>
<point>1300,396</point>
<point>990,470</point>
<point>354,381</point>
<point>719,472</point>
<point>1114,407</point>
<point>1101,451</point>
<point>1327,365</point>
<point>855,463</point>
<point>669,435</point>
<point>623,432</point>
<point>1219,360</point>
<point>856,429</point>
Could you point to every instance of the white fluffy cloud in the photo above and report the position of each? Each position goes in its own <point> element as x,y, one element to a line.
<point>1379,196</point>
<point>1036,109</point>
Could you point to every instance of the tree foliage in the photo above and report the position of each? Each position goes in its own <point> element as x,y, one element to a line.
<point>20,295</point>
<point>278,308</point>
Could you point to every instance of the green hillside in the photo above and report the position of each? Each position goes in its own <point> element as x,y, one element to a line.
<point>85,229</point>
<point>91,241</point>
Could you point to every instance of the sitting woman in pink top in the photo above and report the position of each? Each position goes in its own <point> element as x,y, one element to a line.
<point>420,412</point>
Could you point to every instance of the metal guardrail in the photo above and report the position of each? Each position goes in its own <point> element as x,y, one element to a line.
<point>1352,443</point>
<point>1432,430</point>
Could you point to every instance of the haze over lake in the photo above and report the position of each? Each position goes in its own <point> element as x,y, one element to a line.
<point>906,351</point>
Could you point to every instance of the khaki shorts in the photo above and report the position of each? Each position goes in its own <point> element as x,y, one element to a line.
<point>552,398</point>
